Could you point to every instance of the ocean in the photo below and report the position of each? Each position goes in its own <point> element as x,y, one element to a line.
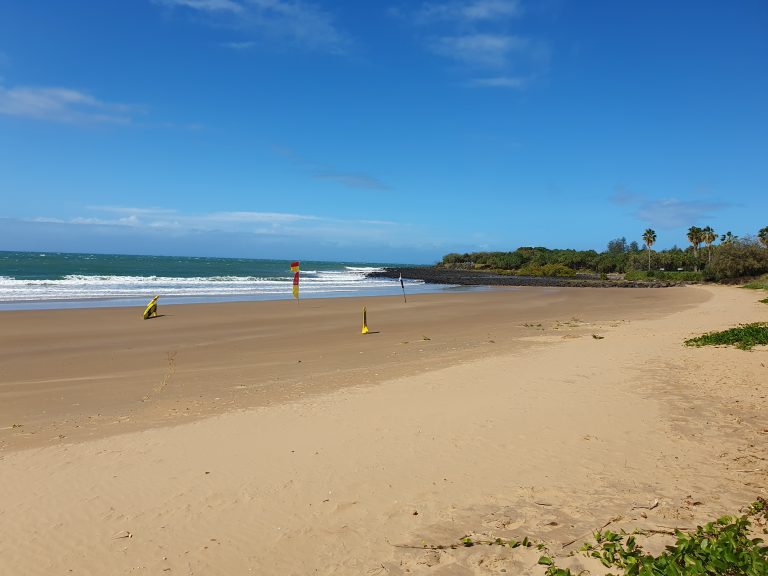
<point>37,280</point>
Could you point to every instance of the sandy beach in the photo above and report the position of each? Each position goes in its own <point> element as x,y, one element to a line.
<point>274,438</point>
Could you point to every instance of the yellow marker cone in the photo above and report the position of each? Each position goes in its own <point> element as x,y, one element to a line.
<point>151,310</point>
<point>365,322</point>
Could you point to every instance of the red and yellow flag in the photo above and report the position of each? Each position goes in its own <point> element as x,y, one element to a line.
<point>295,270</point>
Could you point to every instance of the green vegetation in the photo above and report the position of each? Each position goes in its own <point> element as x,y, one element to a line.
<point>762,236</point>
<point>758,283</point>
<point>744,337</point>
<point>649,237</point>
<point>733,258</point>
<point>695,237</point>
<point>708,236</point>
<point>534,269</point>
<point>720,548</point>
<point>737,259</point>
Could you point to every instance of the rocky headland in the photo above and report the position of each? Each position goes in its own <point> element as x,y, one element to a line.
<point>440,275</point>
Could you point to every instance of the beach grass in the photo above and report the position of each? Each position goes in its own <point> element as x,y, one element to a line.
<point>760,283</point>
<point>744,337</point>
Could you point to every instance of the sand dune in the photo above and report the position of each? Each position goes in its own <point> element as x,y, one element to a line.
<point>308,448</point>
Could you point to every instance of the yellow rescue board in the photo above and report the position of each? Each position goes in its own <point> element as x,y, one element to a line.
<point>151,310</point>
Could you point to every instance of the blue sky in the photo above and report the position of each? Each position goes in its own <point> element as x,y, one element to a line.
<point>378,131</point>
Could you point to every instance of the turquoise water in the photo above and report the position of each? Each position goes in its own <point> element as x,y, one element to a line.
<point>31,280</point>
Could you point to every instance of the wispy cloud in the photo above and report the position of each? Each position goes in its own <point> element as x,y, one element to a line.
<point>134,216</point>
<point>475,36</point>
<point>476,11</point>
<point>131,211</point>
<point>667,213</point>
<point>353,180</point>
<point>624,197</point>
<point>239,45</point>
<point>500,81</point>
<point>277,228</point>
<point>674,213</point>
<point>61,105</point>
<point>294,22</point>
<point>480,50</point>
<point>358,180</point>
<point>207,5</point>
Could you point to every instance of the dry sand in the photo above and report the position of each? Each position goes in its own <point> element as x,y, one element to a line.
<point>271,438</point>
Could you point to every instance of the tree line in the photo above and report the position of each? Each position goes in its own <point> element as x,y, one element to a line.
<point>731,257</point>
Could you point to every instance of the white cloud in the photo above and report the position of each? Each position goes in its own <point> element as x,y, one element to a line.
<point>500,81</point>
<point>284,21</point>
<point>127,210</point>
<point>60,105</point>
<point>271,227</point>
<point>165,217</point>
<point>480,50</point>
<point>507,53</point>
<point>479,10</point>
<point>475,34</point>
<point>240,45</point>
<point>206,5</point>
<point>260,217</point>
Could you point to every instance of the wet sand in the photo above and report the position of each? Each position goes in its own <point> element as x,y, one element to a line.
<point>85,373</point>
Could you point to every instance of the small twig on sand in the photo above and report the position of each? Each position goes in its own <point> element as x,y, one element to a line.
<point>665,531</point>
<point>611,521</point>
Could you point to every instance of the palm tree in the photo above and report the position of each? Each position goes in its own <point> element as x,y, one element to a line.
<point>728,237</point>
<point>709,236</point>
<point>649,237</point>
<point>762,235</point>
<point>695,237</point>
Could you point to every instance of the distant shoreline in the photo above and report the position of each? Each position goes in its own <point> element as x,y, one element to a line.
<point>435,275</point>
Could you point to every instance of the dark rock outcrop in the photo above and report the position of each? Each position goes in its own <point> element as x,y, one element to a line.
<point>434,275</point>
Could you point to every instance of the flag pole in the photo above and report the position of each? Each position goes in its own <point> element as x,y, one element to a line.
<point>403,287</point>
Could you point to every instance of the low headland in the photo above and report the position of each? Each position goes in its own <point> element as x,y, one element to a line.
<point>621,265</point>
<point>479,277</point>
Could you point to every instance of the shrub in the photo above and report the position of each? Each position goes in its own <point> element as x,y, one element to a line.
<point>546,270</point>
<point>737,259</point>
